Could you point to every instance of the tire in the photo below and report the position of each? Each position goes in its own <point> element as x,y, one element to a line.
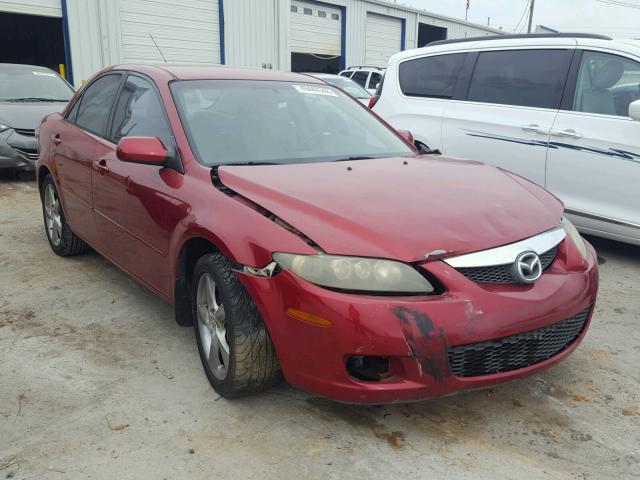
<point>227,315</point>
<point>62,240</point>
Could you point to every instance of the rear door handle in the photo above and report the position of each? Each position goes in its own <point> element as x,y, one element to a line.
<point>101,167</point>
<point>534,128</point>
<point>570,133</point>
<point>56,139</point>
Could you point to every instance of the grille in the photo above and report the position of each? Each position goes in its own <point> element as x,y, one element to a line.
<point>502,273</point>
<point>517,351</point>
<point>31,154</point>
<point>25,131</point>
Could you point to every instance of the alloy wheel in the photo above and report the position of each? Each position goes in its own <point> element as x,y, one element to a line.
<point>52,216</point>
<point>212,326</point>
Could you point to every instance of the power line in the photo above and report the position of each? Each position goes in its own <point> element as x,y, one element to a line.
<point>526,9</point>
<point>619,3</point>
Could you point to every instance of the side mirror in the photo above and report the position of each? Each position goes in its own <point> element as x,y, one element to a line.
<point>634,110</point>
<point>408,137</point>
<point>145,150</point>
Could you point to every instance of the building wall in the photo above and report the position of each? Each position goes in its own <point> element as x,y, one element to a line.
<point>256,31</point>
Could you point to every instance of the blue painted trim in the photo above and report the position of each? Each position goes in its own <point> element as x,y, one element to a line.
<point>221,23</point>
<point>67,42</point>
<point>403,34</point>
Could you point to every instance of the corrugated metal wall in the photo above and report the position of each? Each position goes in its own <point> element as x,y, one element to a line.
<point>252,32</point>
<point>48,8</point>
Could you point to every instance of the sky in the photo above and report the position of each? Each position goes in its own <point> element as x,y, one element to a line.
<point>591,16</point>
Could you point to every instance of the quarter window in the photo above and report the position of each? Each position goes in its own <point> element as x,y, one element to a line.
<point>361,78</point>
<point>374,80</point>
<point>95,104</point>
<point>528,78</point>
<point>607,84</point>
<point>139,112</point>
<point>431,76</point>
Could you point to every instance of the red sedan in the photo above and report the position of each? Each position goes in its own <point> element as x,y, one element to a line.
<point>300,234</point>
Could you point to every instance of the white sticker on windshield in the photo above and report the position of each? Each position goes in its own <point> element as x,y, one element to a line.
<point>315,90</point>
<point>44,74</point>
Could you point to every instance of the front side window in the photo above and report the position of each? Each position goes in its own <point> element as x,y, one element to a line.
<point>347,74</point>
<point>139,112</point>
<point>360,78</point>
<point>527,78</point>
<point>247,121</point>
<point>95,104</point>
<point>433,77</point>
<point>607,84</point>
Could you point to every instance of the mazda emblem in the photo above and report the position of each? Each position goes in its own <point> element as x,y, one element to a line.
<point>527,267</point>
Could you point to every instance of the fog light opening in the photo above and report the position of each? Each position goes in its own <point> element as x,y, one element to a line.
<point>368,368</point>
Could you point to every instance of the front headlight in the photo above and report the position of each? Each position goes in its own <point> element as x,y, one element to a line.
<point>4,127</point>
<point>573,233</point>
<point>355,273</point>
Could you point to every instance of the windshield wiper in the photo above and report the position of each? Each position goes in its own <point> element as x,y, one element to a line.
<point>362,157</point>
<point>33,99</point>
<point>241,164</point>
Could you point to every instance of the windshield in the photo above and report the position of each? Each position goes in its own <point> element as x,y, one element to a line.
<point>231,121</point>
<point>349,86</point>
<point>33,85</point>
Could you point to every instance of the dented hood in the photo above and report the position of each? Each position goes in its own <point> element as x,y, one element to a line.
<point>399,208</point>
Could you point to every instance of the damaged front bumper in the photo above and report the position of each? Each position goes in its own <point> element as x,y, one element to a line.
<point>18,149</point>
<point>417,336</point>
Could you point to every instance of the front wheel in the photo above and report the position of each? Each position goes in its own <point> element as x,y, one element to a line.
<point>235,348</point>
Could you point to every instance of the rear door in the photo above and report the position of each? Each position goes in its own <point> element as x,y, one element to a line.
<point>508,110</point>
<point>594,154</point>
<point>75,142</point>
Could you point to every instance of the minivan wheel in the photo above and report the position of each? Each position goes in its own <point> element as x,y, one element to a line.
<point>235,348</point>
<point>62,240</point>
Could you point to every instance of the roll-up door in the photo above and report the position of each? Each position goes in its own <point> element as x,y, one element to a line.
<point>384,38</point>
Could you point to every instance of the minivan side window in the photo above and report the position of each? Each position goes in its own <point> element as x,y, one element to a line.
<point>527,78</point>
<point>138,112</point>
<point>433,77</point>
<point>361,78</point>
<point>96,102</point>
<point>607,84</point>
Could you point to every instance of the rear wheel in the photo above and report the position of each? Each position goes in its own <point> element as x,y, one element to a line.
<point>61,239</point>
<point>235,348</point>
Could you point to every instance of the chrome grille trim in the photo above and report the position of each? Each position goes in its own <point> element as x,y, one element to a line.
<point>507,254</point>
<point>28,154</point>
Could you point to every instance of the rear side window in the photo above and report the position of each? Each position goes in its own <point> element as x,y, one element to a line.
<point>431,76</point>
<point>95,104</point>
<point>361,78</point>
<point>527,78</point>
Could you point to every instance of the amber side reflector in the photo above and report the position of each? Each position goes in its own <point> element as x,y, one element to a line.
<point>308,317</point>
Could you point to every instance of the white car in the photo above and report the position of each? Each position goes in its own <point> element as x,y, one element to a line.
<point>561,110</point>
<point>367,77</point>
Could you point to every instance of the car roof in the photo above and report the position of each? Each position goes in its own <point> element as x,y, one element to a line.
<point>216,72</point>
<point>20,66</point>
<point>529,40</point>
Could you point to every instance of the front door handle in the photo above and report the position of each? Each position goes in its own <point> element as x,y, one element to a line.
<point>534,128</point>
<point>570,133</point>
<point>56,139</point>
<point>101,167</point>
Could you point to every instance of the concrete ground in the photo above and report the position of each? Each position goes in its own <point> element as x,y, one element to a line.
<point>98,382</point>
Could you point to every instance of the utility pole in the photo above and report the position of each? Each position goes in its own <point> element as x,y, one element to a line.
<point>533,2</point>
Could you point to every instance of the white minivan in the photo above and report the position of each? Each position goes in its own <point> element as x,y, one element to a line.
<point>561,110</point>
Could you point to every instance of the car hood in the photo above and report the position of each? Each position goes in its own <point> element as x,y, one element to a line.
<point>399,208</point>
<point>27,115</point>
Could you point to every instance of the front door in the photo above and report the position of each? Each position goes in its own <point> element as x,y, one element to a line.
<point>134,203</point>
<point>509,109</point>
<point>594,154</point>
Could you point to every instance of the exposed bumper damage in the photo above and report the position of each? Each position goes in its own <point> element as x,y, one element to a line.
<point>411,335</point>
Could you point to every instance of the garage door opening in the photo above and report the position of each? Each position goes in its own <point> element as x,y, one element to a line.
<point>32,40</point>
<point>316,37</point>
<point>430,33</point>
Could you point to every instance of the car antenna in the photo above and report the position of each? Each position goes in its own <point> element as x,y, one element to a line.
<point>161,54</point>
